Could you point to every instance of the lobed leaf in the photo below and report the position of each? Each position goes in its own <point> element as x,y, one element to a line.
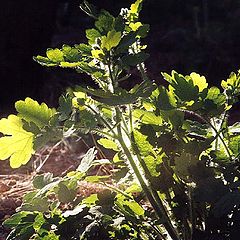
<point>16,144</point>
<point>31,111</point>
<point>55,55</point>
<point>111,40</point>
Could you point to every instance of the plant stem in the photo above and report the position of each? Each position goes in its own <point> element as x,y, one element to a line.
<point>222,140</point>
<point>152,195</point>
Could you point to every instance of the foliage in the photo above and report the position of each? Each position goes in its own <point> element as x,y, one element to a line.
<point>176,163</point>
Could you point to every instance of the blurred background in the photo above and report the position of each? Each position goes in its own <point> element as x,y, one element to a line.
<point>193,35</point>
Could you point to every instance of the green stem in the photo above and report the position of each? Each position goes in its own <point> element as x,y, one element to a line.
<point>105,123</point>
<point>117,190</point>
<point>222,140</point>
<point>152,196</point>
<point>168,224</point>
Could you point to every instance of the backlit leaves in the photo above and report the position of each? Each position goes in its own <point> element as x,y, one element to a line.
<point>55,55</point>
<point>16,144</point>
<point>111,40</point>
<point>186,88</point>
<point>31,111</point>
<point>232,84</point>
<point>107,143</point>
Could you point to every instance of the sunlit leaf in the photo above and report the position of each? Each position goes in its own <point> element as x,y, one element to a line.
<point>55,55</point>
<point>31,111</point>
<point>90,199</point>
<point>87,160</point>
<point>147,117</point>
<point>143,145</point>
<point>199,81</point>
<point>16,144</point>
<point>232,84</point>
<point>111,40</point>
<point>109,144</point>
<point>92,35</point>
<point>96,179</point>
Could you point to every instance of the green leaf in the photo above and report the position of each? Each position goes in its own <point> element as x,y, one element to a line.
<point>32,111</point>
<point>71,54</point>
<point>184,162</point>
<point>111,40</point>
<point>199,81</point>
<point>70,64</point>
<point>16,142</point>
<point>98,54</point>
<point>232,85</point>
<point>23,224</point>
<point>175,117</point>
<point>91,200</point>
<point>65,193</point>
<point>143,30</point>
<point>147,117</point>
<point>134,188</point>
<point>186,88</point>
<point>104,22</point>
<point>135,59</point>
<point>135,207</point>
<point>96,179</point>
<point>84,49</point>
<point>92,35</point>
<point>65,107</point>
<point>129,205</point>
<point>42,180</point>
<point>44,61</point>
<point>135,26</point>
<point>165,100</point>
<point>152,163</point>
<point>126,42</point>
<point>39,204</point>
<point>234,144</point>
<point>16,218</point>
<point>134,10</point>
<point>46,135</point>
<point>55,55</point>
<point>109,144</point>
<point>215,102</point>
<point>142,143</point>
<point>121,96</point>
<point>136,7</point>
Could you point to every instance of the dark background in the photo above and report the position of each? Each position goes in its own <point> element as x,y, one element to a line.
<point>192,35</point>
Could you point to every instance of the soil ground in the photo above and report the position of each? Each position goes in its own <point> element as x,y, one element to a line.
<point>14,183</point>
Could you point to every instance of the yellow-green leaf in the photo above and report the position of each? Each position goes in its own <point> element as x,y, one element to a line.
<point>16,144</point>
<point>55,55</point>
<point>96,53</point>
<point>135,26</point>
<point>147,117</point>
<point>199,81</point>
<point>136,7</point>
<point>69,64</point>
<point>31,111</point>
<point>109,144</point>
<point>111,40</point>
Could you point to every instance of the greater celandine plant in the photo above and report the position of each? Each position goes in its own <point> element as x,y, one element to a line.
<point>176,162</point>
